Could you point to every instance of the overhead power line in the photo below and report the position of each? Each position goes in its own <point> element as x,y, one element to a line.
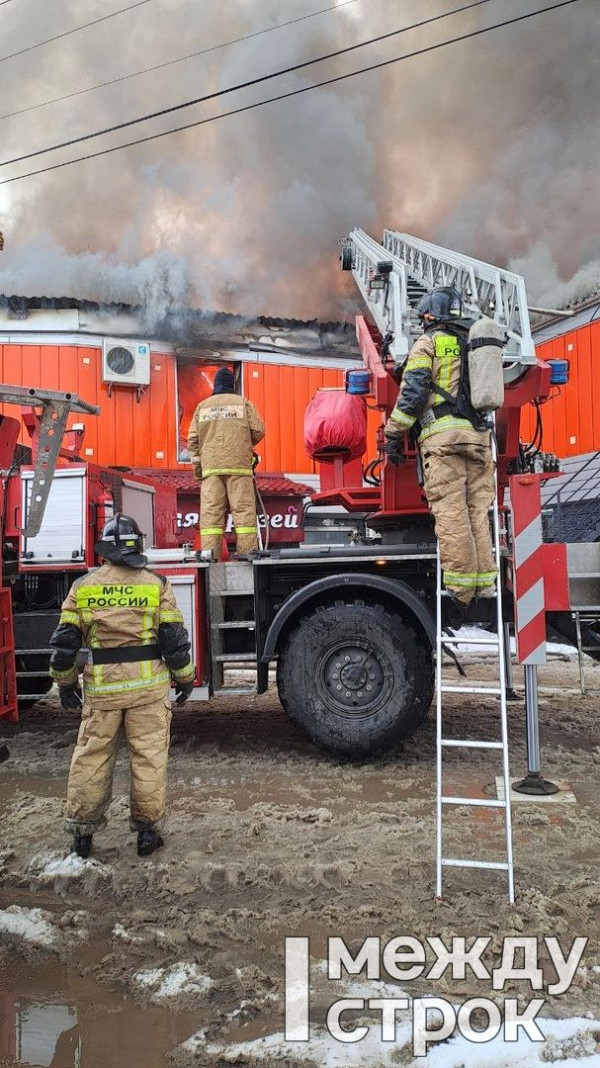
<point>172,62</point>
<point>294,92</point>
<point>76,29</point>
<point>242,85</point>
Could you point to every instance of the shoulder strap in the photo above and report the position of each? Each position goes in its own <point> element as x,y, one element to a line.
<point>443,393</point>
<point>155,574</point>
<point>479,342</point>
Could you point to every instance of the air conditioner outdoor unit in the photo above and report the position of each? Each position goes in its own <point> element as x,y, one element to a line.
<point>126,363</point>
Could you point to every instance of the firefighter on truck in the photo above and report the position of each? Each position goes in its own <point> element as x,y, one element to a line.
<point>223,433</point>
<point>128,618</point>
<point>435,406</point>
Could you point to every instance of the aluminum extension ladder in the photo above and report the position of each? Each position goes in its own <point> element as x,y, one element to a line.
<point>444,744</point>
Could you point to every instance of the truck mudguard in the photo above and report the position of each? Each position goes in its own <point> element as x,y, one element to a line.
<point>394,589</point>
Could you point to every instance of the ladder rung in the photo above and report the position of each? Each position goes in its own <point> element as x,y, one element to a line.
<point>455,743</point>
<point>470,641</point>
<point>234,691</point>
<point>474,802</point>
<point>499,865</point>
<point>495,690</point>
<point>241,658</point>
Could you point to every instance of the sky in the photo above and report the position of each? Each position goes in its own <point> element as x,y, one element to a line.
<point>489,146</point>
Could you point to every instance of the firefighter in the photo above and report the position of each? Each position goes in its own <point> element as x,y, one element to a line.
<point>224,430</point>
<point>128,618</point>
<point>455,448</point>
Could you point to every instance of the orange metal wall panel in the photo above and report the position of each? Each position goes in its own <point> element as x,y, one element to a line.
<point>282,394</point>
<point>572,416</point>
<point>145,433</point>
<point>585,388</point>
<point>126,432</point>
<point>288,418</point>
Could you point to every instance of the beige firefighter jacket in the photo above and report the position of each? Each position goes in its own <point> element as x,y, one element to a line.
<point>435,358</point>
<point>113,606</point>
<point>223,432</point>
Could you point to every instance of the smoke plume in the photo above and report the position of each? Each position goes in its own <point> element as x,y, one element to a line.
<point>489,146</point>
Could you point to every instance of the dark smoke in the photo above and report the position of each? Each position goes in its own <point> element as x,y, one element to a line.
<point>490,146</point>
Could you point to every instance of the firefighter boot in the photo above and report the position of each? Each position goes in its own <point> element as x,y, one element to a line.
<point>82,845</point>
<point>148,841</point>
<point>457,612</point>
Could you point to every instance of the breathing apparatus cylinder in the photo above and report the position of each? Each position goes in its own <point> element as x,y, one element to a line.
<point>484,355</point>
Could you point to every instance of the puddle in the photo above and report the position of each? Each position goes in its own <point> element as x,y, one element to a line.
<point>51,1017</point>
<point>334,795</point>
<point>11,784</point>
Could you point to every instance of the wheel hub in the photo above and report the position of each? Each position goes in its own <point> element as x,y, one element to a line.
<point>353,677</point>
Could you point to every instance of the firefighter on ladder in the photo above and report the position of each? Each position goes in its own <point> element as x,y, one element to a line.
<point>455,450</point>
<point>129,620</point>
<point>224,430</point>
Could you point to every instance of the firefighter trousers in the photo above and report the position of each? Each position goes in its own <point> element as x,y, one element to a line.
<point>89,792</point>
<point>459,483</point>
<point>218,493</point>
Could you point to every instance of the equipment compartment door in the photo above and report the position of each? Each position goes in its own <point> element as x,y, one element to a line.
<point>61,540</point>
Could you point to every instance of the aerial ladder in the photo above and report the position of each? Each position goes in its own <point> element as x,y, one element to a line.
<point>392,276</point>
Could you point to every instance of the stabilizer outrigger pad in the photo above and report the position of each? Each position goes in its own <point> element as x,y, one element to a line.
<point>536,786</point>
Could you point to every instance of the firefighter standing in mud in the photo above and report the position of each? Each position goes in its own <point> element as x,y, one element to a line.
<point>128,618</point>
<point>455,448</point>
<point>224,430</point>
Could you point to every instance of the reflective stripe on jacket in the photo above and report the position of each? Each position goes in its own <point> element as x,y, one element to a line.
<point>116,606</point>
<point>223,432</point>
<point>434,359</point>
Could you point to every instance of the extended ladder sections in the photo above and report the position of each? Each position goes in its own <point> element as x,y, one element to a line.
<point>394,275</point>
<point>445,744</point>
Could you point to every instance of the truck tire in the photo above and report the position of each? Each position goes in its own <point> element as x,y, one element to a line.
<point>355,677</point>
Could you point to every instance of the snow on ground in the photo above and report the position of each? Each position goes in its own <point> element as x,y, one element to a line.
<point>50,866</point>
<point>61,870</point>
<point>465,646</point>
<point>33,925</point>
<point>119,931</point>
<point>180,978</point>
<point>568,1043</point>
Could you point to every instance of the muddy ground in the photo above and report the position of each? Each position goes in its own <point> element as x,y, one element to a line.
<point>267,837</point>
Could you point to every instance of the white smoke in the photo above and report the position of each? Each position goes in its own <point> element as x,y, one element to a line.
<point>541,272</point>
<point>489,146</point>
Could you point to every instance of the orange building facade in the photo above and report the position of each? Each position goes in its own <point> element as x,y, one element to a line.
<point>147,428</point>
<point>571,417</point>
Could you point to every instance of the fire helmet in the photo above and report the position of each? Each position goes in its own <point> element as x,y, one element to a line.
<point>122,542</point>
<point>440,305</point>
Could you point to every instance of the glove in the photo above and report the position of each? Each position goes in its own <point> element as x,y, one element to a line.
<point>198,472</point>
<point>70,697</point>
<point>183,691</point>
<point>255,460</point>
<point>394,451</point>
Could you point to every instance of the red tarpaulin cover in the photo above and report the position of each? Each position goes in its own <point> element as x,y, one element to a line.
<point>335,422</point>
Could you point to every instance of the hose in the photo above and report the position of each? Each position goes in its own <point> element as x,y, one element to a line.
<point>369,472</point>
<point>262,511</point>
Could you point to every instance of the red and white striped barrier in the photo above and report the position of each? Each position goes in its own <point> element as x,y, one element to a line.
<point>528,569</point>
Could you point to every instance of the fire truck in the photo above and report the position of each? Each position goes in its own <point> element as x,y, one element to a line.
<point>349,628</point>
